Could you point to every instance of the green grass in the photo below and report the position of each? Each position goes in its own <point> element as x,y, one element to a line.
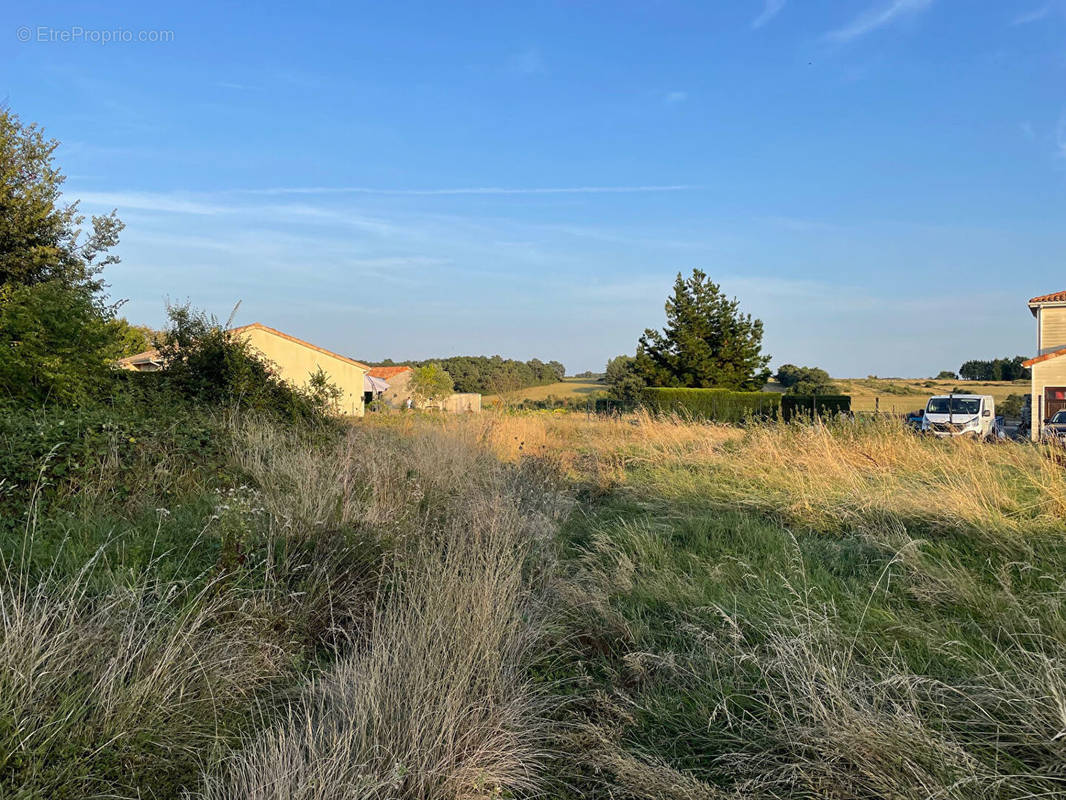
<point>743,653</point>
<point>522,605</point>
<point>572,388</point>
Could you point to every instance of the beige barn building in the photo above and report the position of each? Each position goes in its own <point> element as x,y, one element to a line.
<point>1049,365</point>
<point>295,359</point>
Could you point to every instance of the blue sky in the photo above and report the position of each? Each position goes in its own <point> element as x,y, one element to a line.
<point>882,182</point>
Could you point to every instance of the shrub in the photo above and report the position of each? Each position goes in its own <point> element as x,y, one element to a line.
<point>105,453</point>
<point>799,405</point>
<point>1011,405</point>
<point>805,380</point>
<point>205,363</point>
<point>56,344</point>
<point>719,405</point>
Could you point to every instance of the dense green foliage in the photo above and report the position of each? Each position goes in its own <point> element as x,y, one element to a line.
<point>947,375</point>
<point>805,380</point>
<point>1011,406</point>
<point>798,406</point>
<point>623,380</point>
<point>718,405</point>
<point>431,384</point>
<point>491,375</point>
<point>58,331</point>
<point>996,369</point>
<point>707,342</point>
<point>206,364</point>
<point>56,343</point>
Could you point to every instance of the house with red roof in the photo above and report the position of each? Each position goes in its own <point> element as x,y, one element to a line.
<point>1049,365</point>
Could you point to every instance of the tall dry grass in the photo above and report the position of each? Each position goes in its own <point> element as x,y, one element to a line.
<point>939,674</point>
<point>103,694</point>
<point>435,699</point>
<point>828,476</point>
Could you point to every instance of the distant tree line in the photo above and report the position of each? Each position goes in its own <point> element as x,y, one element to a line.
<point>491,374</point>
<point>998,369</point>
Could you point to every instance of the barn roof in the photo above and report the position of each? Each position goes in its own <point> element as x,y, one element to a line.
<point>387,372</point>
<point>153,355</point>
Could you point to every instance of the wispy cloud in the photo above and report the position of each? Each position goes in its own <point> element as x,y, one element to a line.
<point>675,97</point>
<point>472,190</point>
<point>1035,15</point>
<point>1027,130</point>
<point>877,17</point>
<point>770,10</point>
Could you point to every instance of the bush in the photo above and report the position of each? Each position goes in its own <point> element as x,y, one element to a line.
<point>719,405</point>
<point>1011,406</point>
<point>105,453</point>
<point>206,364</point>
<point>822,405</point>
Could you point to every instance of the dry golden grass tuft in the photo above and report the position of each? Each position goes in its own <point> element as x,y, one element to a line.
<point>835,475</point>
<point>433,699</point>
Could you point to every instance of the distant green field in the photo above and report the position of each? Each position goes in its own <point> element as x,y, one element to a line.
<point>892,395</point>
<point>900,395</point>
<point>570,387</point>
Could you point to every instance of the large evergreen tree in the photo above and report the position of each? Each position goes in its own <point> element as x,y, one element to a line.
<point>707,341</point>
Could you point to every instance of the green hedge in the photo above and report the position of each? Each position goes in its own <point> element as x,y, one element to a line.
<point>805,405</point>
<point>720,405</point>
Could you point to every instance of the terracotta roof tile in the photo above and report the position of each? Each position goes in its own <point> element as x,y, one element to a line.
<point>1054,297</point>
<point>1045,357</point>
<point>386,372</point>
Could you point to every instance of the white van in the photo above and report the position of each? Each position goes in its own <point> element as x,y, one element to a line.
<point>961,415</point>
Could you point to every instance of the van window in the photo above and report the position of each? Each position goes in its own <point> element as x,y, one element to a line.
<point>954,405</point>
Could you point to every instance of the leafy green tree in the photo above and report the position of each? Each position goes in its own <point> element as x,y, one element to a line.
<point>492,375</point>
<point>55,345</point>
<point>707,341</point>
<point>57,331</point>
<point>133,339</point>
<point>42,240</point>
<point>997,369</point>
<point>431,384</point>
<point>623,381</point>
<point>1011,406</point>
<point>947,375</point>
<point>805,380</point>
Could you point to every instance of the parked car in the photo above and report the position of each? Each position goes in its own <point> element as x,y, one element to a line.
<point>971,415</point>
<point>1055,428</point>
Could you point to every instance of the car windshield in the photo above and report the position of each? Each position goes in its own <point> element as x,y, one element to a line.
<point>1060,416</point>
<point>954,405</point>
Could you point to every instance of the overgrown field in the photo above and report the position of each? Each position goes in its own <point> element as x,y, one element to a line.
<point>225,606</point>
